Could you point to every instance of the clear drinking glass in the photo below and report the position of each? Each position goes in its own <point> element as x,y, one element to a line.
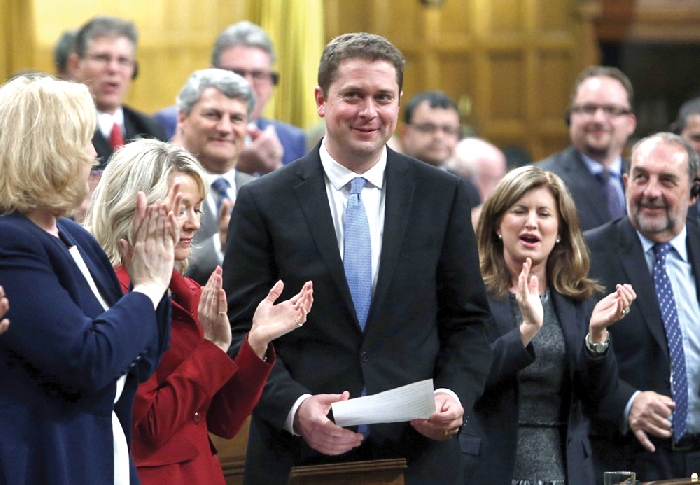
<point>619,478</point>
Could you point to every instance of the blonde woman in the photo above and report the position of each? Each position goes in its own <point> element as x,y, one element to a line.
<point>197,388</point>
<point>77,348</point>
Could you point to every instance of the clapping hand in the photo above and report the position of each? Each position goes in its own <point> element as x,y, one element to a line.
<point>528,297</point>
<point>149,255</point>
<point>609,310</point>
<point>212,312</point>
<point>271,321</point>
<point>4,306</point>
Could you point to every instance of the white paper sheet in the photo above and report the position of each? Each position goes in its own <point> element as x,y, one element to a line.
<point>413,401</point>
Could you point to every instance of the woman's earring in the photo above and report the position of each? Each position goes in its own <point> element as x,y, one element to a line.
<point>557,241</point>
<point>500,237</point>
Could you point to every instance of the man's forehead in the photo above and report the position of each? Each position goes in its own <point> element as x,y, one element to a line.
<point>110,41</point>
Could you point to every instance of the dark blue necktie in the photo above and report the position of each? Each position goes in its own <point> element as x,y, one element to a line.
<point>667,304</point>
<point>357,251</point>
<point>615,208</point>
<point>219,188</point>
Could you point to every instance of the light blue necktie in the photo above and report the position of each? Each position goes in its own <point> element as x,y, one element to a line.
<point>357,259</point>
<point>667,304</point>
<point>357,251</point>
<point>220,189</point>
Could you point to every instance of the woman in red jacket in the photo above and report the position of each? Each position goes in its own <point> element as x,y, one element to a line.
<point>197,388</point>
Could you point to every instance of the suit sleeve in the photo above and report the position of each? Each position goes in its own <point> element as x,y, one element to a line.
<point>463,311</point>
<point>236,400</point>
<point>509,357</point>
<point>249,272</point>
<point>58,328</point>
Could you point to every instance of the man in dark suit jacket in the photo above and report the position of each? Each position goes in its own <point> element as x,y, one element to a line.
<point>428,311</point>
<point>104,59</point>
<point>600,121</point>
<point>635,429</point>
<point>214,105</point>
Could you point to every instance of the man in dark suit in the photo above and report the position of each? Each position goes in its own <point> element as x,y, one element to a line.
<point>428,311</point>
<point>635,430</point>
<point>104,59</point>
<point>247,50</point>
<point>214,105</point>
<point>600,121</point>
<point>687,125</point>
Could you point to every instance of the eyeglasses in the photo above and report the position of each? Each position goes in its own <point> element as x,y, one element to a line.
<point>608,109</point>
<point>258,76</point>
<point>431,128</point>
<point>106,59</point>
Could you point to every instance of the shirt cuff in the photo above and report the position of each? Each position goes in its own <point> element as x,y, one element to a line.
<point>289,423</point>
<point>449,392</point>
<point>624,428</point>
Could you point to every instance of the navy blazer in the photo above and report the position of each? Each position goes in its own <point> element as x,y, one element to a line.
<point>427,320</point>
<point>62,356</point>
<point>489,438</point>
<point>587,192</point>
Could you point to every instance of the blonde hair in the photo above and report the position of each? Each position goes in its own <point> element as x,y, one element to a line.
<point>147,166</point>
<point>45,125</point>
<point>569,261</point>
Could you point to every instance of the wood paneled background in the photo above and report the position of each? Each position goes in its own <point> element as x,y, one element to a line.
<point>510,63</point>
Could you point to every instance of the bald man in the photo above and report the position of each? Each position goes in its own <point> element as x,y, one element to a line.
<point>482,163</point>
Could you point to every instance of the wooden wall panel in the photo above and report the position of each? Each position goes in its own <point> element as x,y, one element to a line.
<point>510,62</point>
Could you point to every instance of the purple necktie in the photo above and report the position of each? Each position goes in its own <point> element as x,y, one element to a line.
<point>615,208</point>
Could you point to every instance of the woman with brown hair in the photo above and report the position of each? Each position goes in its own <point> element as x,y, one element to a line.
<point>550,344</point>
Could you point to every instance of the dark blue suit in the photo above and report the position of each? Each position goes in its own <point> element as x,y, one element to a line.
<point>62,355</point>
<point>489,438</point>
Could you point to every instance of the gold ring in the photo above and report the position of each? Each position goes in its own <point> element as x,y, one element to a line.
<point>625,311</point>
<point>297,322</point>
<point>222,313</point>
<point>447,433</point>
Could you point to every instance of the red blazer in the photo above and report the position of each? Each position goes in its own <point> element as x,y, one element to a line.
<point>196,389</point>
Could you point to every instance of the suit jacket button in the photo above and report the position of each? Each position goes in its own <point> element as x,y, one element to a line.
<point>197,417</point>
<point>364,357</point>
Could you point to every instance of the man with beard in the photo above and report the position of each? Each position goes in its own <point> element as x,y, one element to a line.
<point>431,132</point>
<point>600,121</point>
<point>650,421</point>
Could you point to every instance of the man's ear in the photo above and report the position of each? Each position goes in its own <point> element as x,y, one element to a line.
<point>320,101</point>
<point>74,66</point>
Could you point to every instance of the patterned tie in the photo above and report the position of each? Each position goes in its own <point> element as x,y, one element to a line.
<point>357,253</point>
<point>616,209</point>
<point>116,140</point>
<point>220,189</point>
<point>667,304</point>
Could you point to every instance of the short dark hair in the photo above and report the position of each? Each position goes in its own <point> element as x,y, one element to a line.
<point>65,46</point>
<point>604,71</point>
<point>359,45</point>
<point>688,109</point>
<point>102,26</point>
<point>435,99</point>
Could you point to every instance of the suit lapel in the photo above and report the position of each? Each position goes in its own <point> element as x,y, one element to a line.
<point>310,192</point>
<point>400,185</point>
<point>502,316</point>
<point>634,265</point>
